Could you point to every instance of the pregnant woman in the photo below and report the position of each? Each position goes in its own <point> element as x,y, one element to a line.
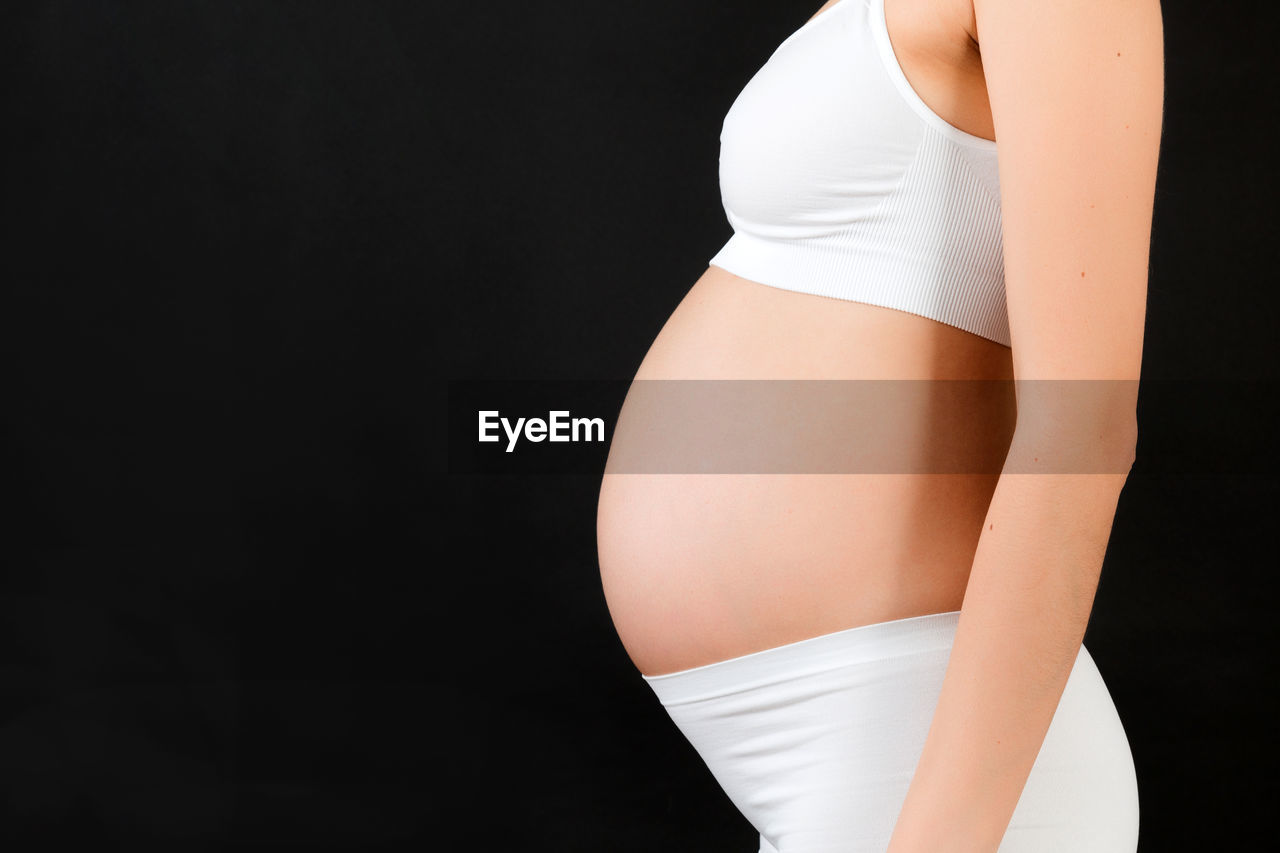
<point>926,195</point>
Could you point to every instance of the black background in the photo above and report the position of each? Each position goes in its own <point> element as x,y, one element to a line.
<point>248,245</point>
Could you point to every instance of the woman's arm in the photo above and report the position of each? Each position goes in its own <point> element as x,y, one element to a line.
<point>1076,90</point>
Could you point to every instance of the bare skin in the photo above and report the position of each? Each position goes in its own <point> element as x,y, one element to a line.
<point>698,568</point>
<point>741,563</point>
<point>702,568</point>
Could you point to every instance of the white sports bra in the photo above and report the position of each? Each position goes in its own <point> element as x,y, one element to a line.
<point>840,181</point>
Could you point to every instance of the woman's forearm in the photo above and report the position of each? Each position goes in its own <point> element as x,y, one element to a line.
<point>1022,621</point>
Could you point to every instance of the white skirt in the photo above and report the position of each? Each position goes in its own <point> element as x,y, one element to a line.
<point>816,742</point>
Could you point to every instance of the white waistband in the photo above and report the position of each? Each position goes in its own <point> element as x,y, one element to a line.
<point>930,632</point>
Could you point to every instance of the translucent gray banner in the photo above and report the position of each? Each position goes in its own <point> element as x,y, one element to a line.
<point>875,427</point>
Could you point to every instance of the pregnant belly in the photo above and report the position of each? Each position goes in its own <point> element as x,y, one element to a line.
<point>805,508</point>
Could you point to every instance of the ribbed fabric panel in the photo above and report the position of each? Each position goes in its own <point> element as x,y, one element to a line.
<point>932,244</point>
<point>932,248</point>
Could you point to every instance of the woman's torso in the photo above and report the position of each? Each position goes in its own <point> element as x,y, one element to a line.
<point>701,567</point>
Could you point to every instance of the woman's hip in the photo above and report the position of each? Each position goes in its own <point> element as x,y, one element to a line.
<point>816,742</point>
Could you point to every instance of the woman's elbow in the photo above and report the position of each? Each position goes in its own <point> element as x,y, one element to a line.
<point>1101,440</point>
